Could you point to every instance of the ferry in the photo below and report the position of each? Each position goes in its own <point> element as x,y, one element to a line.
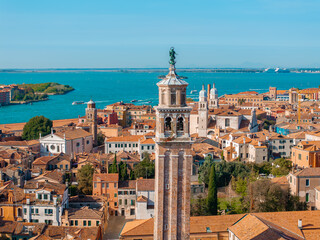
<point>134,100</point>
<point>77,102</point>
<point>193,91</point>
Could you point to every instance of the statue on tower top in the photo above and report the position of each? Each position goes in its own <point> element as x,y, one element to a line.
<point>172,55</point>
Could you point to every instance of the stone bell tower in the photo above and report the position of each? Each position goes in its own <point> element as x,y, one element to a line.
<point>173,158</point>
<point>91,117</point>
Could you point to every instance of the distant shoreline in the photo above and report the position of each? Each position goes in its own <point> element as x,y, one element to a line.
<point>143,70</point>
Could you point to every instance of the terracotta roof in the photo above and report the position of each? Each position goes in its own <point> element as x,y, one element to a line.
<point>129,184</point>
<point>19,143</point>
<point>308,172</point>
<point>43,160</point>
<point>130,138</point>
<point>73,134</point>
<point>145,184</point>
<point>76,233</point>
<point>147,141</point>
<point>252,227</point>
<point>83,213</point>
<point>142,199</point>
<point>106,177</point>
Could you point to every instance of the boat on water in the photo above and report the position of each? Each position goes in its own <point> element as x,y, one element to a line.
<point>77,102</point>
<point>193,91</point>
<point>149,102</point>
<point>134,100</point>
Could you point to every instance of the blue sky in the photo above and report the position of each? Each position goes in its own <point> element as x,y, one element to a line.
<point>128,33</point>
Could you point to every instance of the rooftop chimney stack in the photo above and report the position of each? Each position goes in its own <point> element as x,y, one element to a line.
<point>300,223</point>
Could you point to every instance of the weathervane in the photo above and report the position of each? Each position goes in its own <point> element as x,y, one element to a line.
<point>172,55</point>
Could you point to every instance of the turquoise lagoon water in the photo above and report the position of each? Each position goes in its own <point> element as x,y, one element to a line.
<point>109,87</point>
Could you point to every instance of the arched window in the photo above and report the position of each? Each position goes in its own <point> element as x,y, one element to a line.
<point>180,124</point>
<point>167,124</point>
<point>227,122</point>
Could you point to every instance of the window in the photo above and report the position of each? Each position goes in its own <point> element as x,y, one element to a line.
<point>173,97</point>
<point>290,179</point>
<point>89,223</point>
<point>102,185</point>
<point>307,182</point>
<point>45,196</point>
<point>88,141</point>
<point>227,122</point>
<point>109,145</point>
<point>97,223</point>
<point>299,156</point>
<point>84,223</point>
<point>71,223</point>
<point>115,185</point>
<point>78,144</point>
<point>125,202</point>
<point>180,124</point>
<point>25,211</point>
<point>120,201</point>
<point>39,196</point>
<point>115,195</point>
<point>76,222</point>
<point>37,210</point>
<point>115,204</point>
<point>307,197</point>
<point>167,124</point>
<point>132,202</point>
<point>132,212</point>
<point>107,185</point>
<point>95,185</point>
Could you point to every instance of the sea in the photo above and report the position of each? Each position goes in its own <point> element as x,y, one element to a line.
<point>109,87</point>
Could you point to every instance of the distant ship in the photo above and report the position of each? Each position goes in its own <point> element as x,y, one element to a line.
<point>149,102</point>
<point>134,100</point>
<point>193,91</point>
<point>77,102</point>
<point>284,70</point>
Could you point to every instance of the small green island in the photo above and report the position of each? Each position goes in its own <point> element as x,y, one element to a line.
<point>26,93</point>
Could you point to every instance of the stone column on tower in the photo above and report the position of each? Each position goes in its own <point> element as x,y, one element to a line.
<point>91,118</point>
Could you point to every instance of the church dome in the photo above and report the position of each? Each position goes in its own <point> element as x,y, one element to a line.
<point>203,93</point>
<point>213,91</point>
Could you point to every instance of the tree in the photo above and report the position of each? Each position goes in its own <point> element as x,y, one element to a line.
<point>35,126</point>
<point>281,167</point>
<point>222,157</point>
<point>212,200</point>
<point>145,168</point>
<point>199,206</point>
<point>114,166</point>
<point>204,170</point>
<point>73,190</point>
<point>131,175</point>
<point>100,139</point>
<point>123,171</point>
<point>85,177</point>
<point>265,196</point>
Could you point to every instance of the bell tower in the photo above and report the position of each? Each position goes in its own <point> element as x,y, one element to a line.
<point>91,117</point>
<point>173,158</point>
<point>203,113</point>
<point>213,99</point>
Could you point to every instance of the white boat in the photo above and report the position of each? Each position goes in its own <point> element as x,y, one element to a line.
<point>77,102</point>
<point>193,91</point>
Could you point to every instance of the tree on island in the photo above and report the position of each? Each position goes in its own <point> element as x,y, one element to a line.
<point>35,126</point>
<point>85,178</point>
<point>212,200</point>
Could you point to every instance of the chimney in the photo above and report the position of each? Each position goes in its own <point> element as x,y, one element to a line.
<point>300,223</point>
<point>28,201</point>
<point>208,94</point>
<point>55,200</point>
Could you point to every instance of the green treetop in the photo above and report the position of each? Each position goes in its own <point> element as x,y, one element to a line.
<point>35,126</point>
